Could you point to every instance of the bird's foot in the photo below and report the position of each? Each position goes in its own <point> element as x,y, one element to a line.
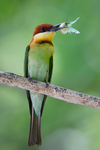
<point>29,78</point>
<point>47,84</point>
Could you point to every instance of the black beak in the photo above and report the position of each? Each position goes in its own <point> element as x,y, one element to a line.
<point>56,27</point>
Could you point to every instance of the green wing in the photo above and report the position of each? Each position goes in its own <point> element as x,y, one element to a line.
<point>49,79</point>
<point>26,75</point>
<point>50,68</point>
<point>26,62</point>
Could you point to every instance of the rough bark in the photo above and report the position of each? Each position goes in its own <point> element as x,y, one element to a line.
<point>67,95</point>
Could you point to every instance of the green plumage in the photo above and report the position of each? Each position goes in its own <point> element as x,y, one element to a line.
<point>38,65</point>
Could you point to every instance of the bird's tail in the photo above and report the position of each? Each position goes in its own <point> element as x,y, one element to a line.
<point>35,129</point>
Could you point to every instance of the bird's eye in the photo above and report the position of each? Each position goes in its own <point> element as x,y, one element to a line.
<point>42,29</point>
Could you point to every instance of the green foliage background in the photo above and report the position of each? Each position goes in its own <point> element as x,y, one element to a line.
<point>76,66</point>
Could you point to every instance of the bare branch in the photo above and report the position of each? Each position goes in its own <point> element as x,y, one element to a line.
<point>52,90</point>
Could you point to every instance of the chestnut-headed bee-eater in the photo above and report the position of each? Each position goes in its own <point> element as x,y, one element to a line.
<point>38,65</point>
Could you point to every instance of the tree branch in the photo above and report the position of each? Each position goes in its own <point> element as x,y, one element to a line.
<point>67,95</point>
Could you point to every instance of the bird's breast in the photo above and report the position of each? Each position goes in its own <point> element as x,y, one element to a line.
<point>38,60</point>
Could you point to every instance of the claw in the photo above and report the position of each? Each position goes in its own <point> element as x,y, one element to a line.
<point>47,84</point>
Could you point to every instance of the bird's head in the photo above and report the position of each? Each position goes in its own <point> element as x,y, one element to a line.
<point>44,33</point>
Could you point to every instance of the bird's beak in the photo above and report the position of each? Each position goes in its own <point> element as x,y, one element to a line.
<point>56,27</point>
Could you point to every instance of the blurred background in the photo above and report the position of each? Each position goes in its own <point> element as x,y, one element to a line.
<point>64,126</point>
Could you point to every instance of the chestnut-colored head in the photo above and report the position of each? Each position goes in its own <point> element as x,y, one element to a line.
<point>42,28</point>
<point>42,34</point>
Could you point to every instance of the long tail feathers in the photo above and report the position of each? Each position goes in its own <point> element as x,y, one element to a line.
<point>35,129</point>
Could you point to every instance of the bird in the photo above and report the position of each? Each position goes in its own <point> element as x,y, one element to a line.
<point>38,65</point>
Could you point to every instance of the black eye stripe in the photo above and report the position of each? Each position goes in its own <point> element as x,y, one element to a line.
<point>42,29</point>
